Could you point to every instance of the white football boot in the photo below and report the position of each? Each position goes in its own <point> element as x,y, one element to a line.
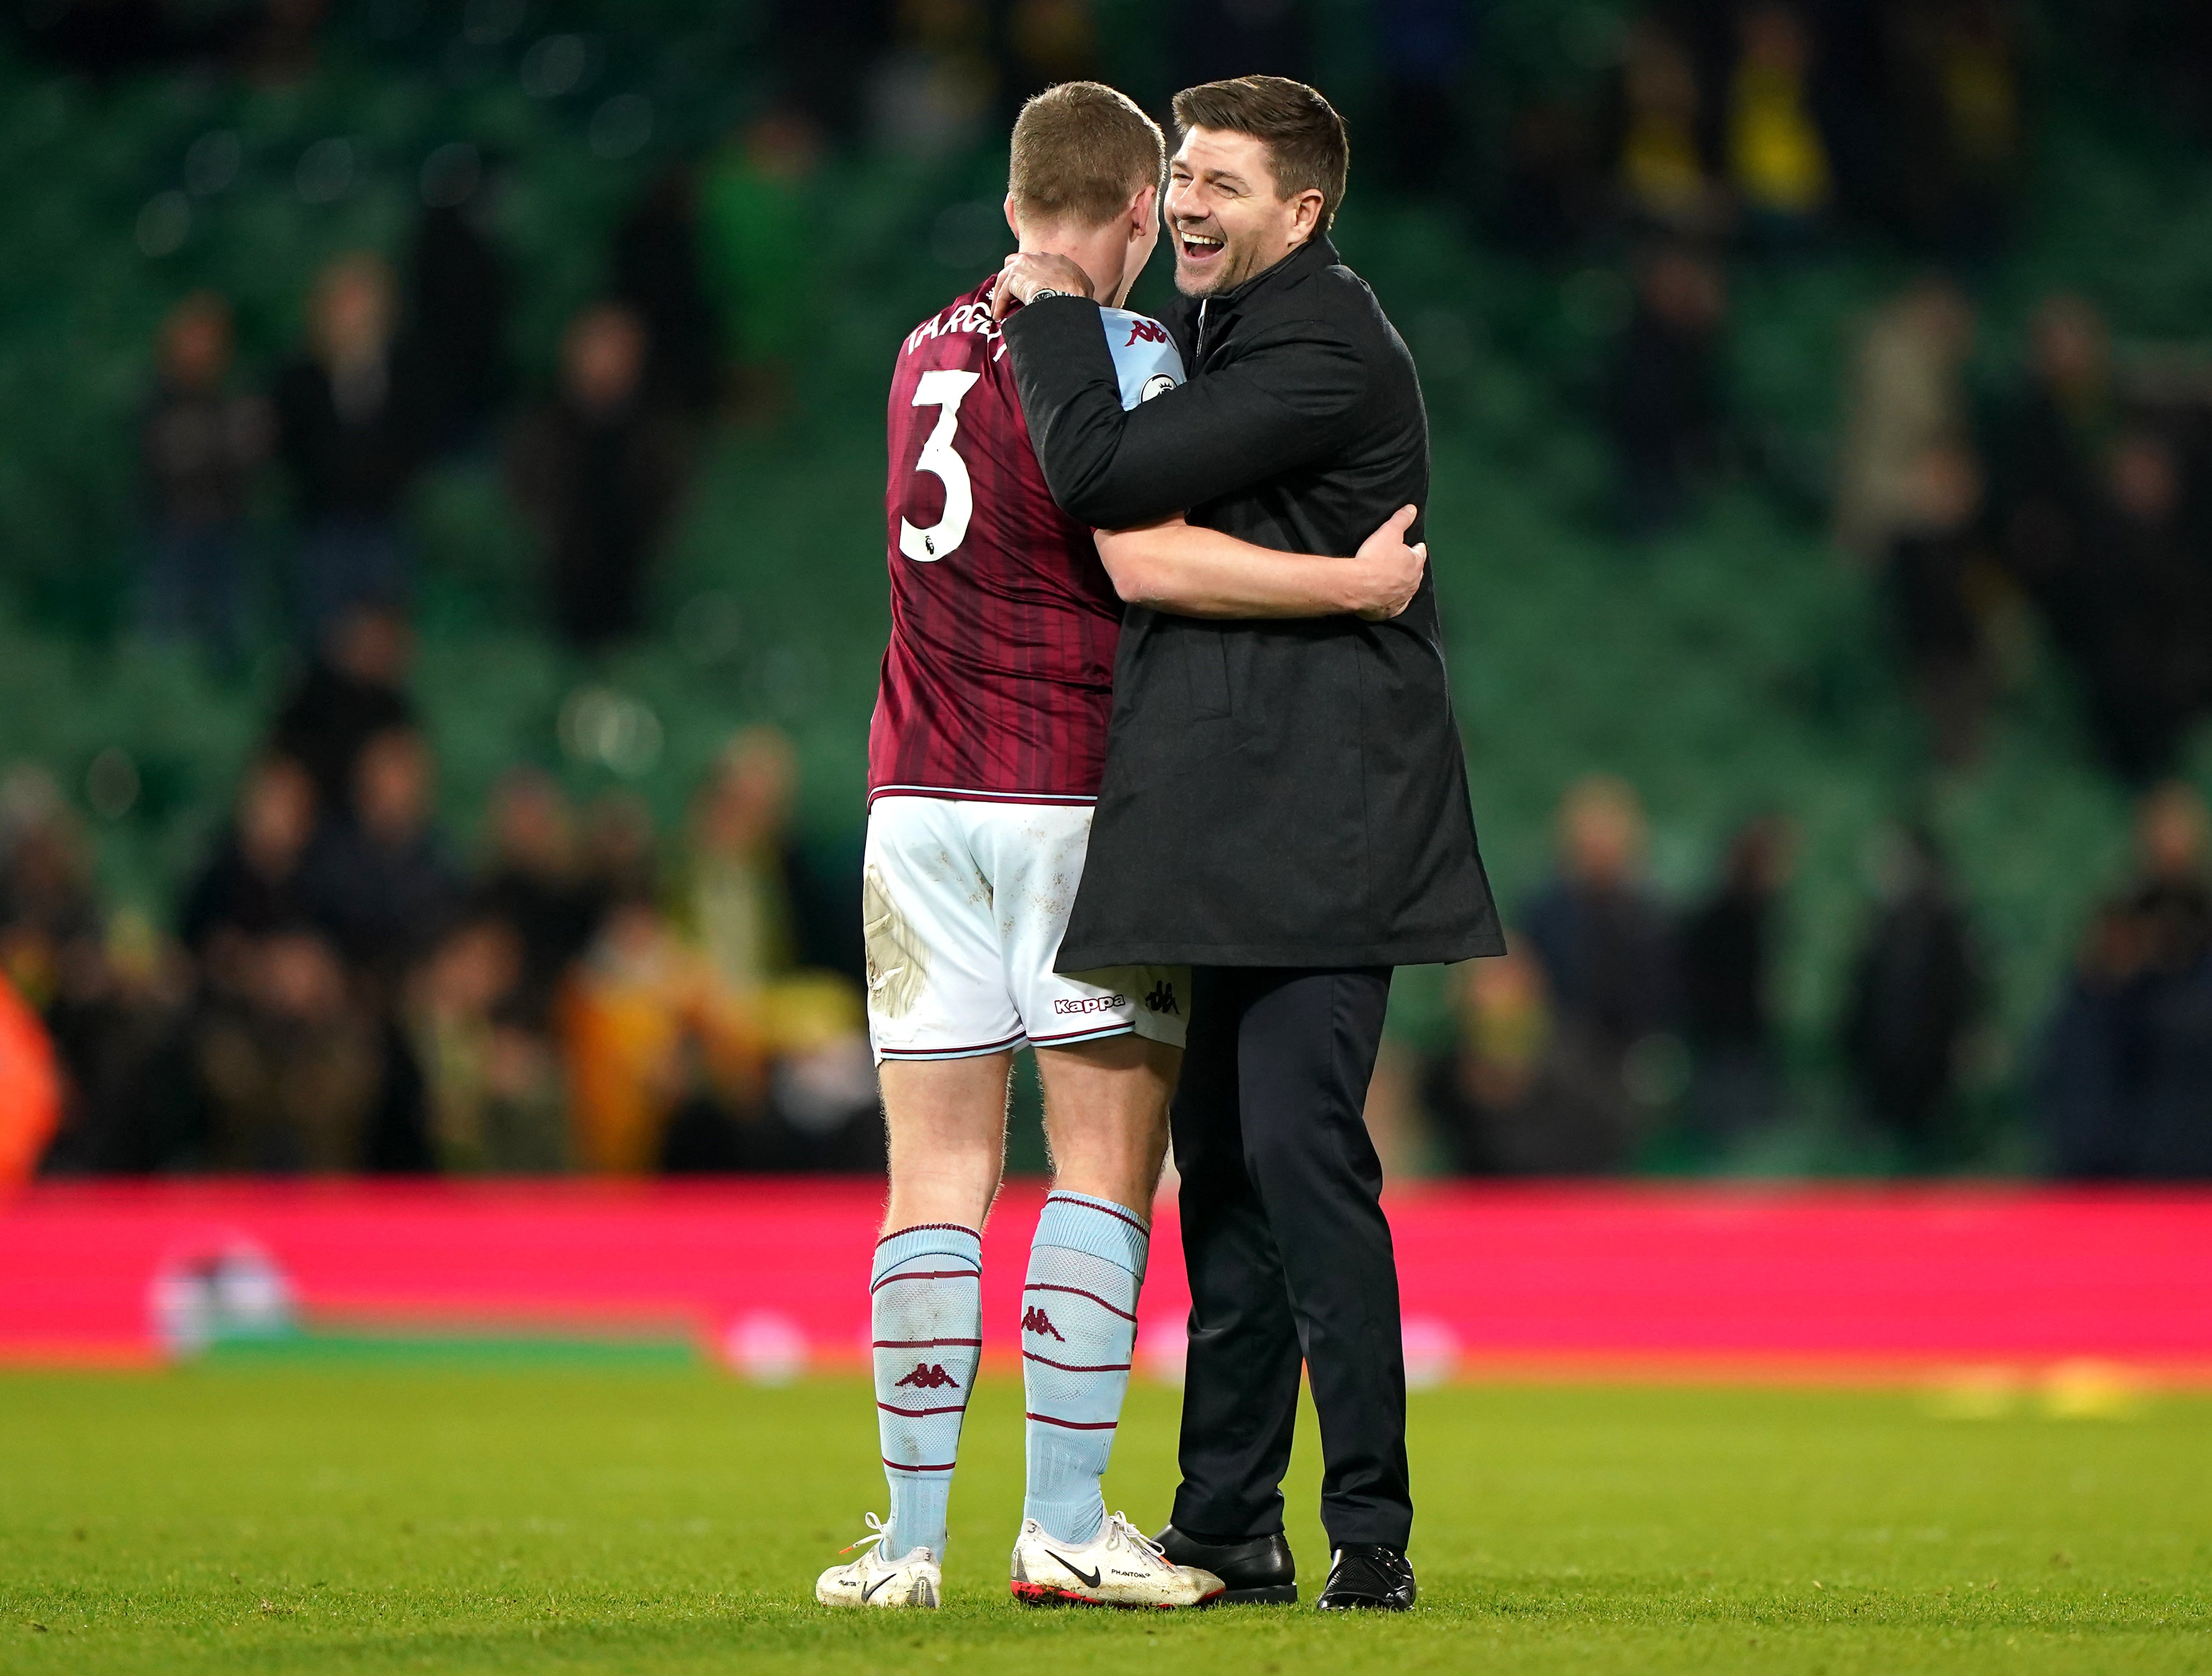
<point>914,1579</point>
<point>1119,1566</point>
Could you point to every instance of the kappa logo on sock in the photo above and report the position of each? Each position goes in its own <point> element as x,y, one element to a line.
<point>1036,1321</point>
<point>928,1376</point>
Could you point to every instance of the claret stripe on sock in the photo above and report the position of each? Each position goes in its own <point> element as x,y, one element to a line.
<point>1074,1368</point>
<point>903,1467</point>
<point>925,1227</point>
<point>928,1274</point>
<point>920,1413</point>
<point>1074,1425</point>
<point>1077,1291</point>
<point>920,1344</point>
<point>1094,1206</point>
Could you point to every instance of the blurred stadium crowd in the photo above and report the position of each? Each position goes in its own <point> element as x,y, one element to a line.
<point>343,991</point>
<point>339,983</point>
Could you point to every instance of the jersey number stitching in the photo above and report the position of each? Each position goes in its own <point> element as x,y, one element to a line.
<point>944,390</point>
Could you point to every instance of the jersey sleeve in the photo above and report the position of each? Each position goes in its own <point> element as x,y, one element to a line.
<point>1145,360</point>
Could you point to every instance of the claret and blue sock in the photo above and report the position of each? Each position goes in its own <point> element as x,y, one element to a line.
<point>1078,1337</point>
<point>926,1306</point>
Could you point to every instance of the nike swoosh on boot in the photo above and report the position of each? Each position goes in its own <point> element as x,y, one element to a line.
<point>1090,1578</point>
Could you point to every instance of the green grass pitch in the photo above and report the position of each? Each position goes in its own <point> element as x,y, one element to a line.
<point>279,1518</point>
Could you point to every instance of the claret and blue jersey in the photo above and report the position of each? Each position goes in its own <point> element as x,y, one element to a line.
<point>997,680</point>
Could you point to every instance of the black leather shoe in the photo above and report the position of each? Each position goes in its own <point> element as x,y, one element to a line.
<point>1368,1576</point>
<point>1259,1570</point>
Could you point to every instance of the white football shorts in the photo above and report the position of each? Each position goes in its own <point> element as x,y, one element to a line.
<point>964,904</point>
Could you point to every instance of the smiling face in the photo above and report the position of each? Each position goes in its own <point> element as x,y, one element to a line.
<point>1228,219</point>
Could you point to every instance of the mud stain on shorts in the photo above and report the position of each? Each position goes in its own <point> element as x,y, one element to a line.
<point>898,960</point>
<point>1056,900</point>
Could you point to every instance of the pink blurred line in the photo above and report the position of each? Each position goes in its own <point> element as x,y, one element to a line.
<point>1541,1275</point>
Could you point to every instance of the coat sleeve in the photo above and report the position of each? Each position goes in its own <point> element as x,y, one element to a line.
<point>1281,404</point>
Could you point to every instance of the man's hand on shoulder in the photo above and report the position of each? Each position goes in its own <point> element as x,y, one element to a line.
<point>1389,572</point>
<point>1028,272</point>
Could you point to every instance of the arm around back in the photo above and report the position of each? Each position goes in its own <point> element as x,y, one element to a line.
<point>1280,404</point>
<point>1189,571</point>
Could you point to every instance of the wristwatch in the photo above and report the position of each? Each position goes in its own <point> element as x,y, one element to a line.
<point>1045,291</point>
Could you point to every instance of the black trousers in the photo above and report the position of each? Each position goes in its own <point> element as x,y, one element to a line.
<point>1289,1254</point>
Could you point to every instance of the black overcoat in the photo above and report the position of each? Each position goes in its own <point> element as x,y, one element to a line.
<point>1277,793</point>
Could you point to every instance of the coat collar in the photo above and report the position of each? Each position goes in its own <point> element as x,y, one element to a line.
<point>1202,319</point>
<point>1317,253</point>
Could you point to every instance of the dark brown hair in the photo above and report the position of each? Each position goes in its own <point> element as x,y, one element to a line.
<point>1081,152</point>
<point>1307,147</point>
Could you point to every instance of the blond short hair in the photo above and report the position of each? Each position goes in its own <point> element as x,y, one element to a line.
<point>1081,151</point>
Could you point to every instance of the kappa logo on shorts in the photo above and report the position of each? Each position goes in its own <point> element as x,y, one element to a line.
<point>1162,999</point>
<point>928,1376</point>
<point>1092,1003</point>
<point>1036,1321</point>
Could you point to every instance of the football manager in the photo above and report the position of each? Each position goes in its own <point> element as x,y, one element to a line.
<point>1285,810</point>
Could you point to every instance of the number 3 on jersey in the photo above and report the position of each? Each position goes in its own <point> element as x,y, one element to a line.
<point>944,390</point>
